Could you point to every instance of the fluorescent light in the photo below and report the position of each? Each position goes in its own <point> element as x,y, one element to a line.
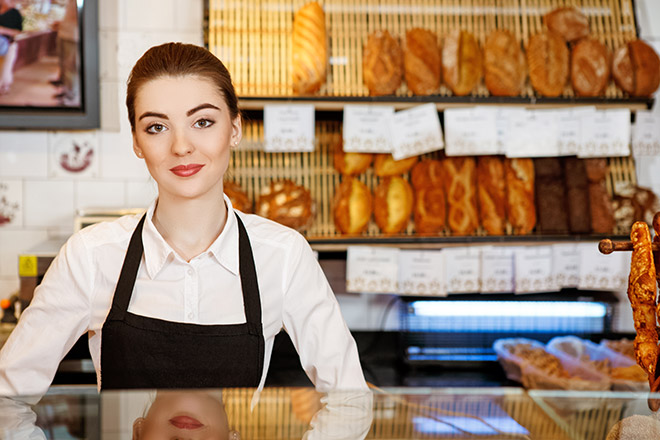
<point>562,309</point>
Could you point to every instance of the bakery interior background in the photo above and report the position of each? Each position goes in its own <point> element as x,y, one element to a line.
<point>40,197</point>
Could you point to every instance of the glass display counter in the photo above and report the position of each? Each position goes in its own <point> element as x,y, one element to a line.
<point>292,413</point>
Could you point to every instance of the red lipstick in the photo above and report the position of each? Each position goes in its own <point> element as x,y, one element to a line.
<point>187,170</point>
<point>185,422</point>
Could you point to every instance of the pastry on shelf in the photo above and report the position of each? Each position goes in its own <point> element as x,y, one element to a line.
<point>636,68</point>
<point>462,62</point>
<point>600,201</point>
<point>461,191</point>
<point>382,64</point>
<point>351,164</point>
<point>352,206</point>
<point>287,203</point>
<point>577,195</point>
<point>310,49</point>
<point>569,22</point>
<point>521,210</point>
<point>421,61</point>
<point>548,61</point>
<point>430,208</point>
<point>393,204</point>
<point>590,67</point>
<point>550,196</point>
<point>491,184</point>
<point>238,197</point>
<point>505,69</point>
<point>385,165</point>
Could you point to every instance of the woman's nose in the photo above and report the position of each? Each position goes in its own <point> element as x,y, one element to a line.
<point>181,145</point>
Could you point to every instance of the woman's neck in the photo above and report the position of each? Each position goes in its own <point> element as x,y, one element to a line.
<point>190,226</point>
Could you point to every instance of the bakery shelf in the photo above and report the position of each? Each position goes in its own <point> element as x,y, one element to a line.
<point>254,104</point>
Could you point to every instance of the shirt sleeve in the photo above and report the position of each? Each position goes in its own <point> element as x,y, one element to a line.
<point>57,316</point>
<point>314,322</point>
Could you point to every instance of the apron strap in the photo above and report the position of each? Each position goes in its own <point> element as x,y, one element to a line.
<point>250,286</point>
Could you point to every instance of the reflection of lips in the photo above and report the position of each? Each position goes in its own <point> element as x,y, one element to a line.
<point>186,170</point>
<point>185,422</point>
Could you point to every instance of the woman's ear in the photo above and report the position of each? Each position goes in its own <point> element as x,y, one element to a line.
<point>138,424</point>
<point>137,149</point>
<point>236,131</point>
<point>234,435</point>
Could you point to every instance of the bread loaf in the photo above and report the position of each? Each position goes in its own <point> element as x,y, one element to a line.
<point>352,206</point>
<point>462,63</point>
<point>569,22</point>
<point>421,61</point>
<point>429,210</point>
<point>238,197</point>
<point>636,68</point>
<point>600,202</point>
<point>550,195</point>
<point>351,164</point>
<point>287,203</point>
<point>310,49</point>
<point>520,194</point>
<point>461,192</point>
<point>382,64</point>
<point>385,165</point>
<point>577,194</point>
<point>393,204</point>
<point>505,67</point>
<point>548,58</point>
<point>492,194</point>
<point>590,67</point>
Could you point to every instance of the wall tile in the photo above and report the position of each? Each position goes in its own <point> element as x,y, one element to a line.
<point>110,103</point>
<point>15,243</point>
<point>95,194</point>
<point>151,15</point>
<point>117,158</point>
<point>108,55</point>
<point>8,286</point>
<point>49,204</point>
<point>109,15</point>
<point>189,15</point>
<point>73,154</point>
<point>140,194</point>
<point>11,204</point>
<point>23,154</point>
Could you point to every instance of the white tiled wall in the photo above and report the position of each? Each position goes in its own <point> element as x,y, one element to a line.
<point>40,188</point>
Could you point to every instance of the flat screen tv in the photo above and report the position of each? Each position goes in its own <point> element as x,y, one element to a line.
<point>55,67</point>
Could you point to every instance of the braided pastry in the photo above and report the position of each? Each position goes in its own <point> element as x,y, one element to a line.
<point>520,194</point>
<point>461,190</point>
<point>492,194</point>
<point>430,207</point>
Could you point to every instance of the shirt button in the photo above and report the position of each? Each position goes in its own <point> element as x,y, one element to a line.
<point>190,272</point>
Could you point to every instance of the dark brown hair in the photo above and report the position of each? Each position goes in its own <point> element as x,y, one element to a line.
<point>179,59</point>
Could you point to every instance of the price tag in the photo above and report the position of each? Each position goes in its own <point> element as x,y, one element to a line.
<point>603,272</point>
<point>646,133</point>
<point>565,265</point>
<point>463,269</point>
<point>288,128</point>
<point>371,269</point>
<point>496,269</point>
<point>416,131</point>
<point>366,128</point>
<point>471,131</point>
<point>503,119</point>
<point>533,134</point>
<point>569,129</point>
<point>421,273</point>
<point>605,133</point>
<point>533,269</point>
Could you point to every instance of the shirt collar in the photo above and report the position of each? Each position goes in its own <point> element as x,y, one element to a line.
<point>157,252</point>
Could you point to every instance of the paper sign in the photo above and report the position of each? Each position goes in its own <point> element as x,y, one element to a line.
<point>565,265</point>
<point>371,269</point>
<point>533,134</point>
<point>497,269</point>
<point>503,119</point>
<point>569,129</point>
<point>471,131</point>
<point>366,128</point>
<point>463,269</point>
<point>605,133</point>
<point>421,273</point>
<point>533,269</point>
<point>288,128</point>
<point>416,131</point>
<point>603,272</point>
<point>646,133</point>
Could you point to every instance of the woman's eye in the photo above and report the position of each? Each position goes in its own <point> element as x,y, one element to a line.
<point>203,123</point>
<point>155,128</point>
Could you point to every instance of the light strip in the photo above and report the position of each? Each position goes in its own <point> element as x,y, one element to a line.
<point>563,309</point>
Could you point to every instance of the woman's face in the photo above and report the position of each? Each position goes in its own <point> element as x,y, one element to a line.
<point>183,414</point>
<point>184,132</point>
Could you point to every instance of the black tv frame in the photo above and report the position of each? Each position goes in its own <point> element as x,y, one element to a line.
<point>59,118</point>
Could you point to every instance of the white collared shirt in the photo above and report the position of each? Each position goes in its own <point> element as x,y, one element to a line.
<point>76,294</point>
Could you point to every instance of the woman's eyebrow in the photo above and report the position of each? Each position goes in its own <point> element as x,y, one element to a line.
<point>200,107</point>
<point>154,114</point>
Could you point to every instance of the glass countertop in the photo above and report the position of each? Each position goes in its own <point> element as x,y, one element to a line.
<point>291,413</point>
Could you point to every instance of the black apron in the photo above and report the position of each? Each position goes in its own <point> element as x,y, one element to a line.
<point>142,352</point>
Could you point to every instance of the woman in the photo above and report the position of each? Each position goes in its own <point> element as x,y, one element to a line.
<point>192,293</point>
